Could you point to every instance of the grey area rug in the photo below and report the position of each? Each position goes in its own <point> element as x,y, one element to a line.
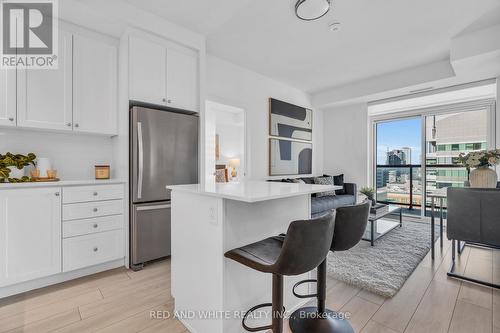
<point>383,268</point>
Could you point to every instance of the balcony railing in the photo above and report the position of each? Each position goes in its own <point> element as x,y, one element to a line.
<point>404,184</point>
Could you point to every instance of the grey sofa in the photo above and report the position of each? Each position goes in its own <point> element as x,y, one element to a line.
<point>474,218</point>
<point>347,197</point>
<point>321,205</point>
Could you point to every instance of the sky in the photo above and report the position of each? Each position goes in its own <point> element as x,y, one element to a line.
<point>398,134</point>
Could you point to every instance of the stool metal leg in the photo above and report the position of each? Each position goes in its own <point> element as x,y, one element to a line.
<point>277,308</point>
<point>319,319</point>
<point>321,287</point>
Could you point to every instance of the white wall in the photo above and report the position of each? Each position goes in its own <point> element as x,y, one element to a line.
<point>74,156</point>
<point>346,142</point>
<point>498,115</point>
<point>239,87</point>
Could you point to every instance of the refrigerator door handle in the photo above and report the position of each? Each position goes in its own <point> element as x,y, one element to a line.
<point>157,207</point>
<point>140,143</point>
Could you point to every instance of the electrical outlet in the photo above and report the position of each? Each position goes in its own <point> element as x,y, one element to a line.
<point>212,215</point>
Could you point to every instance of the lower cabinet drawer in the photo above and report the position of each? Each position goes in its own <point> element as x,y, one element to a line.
<point>92,209</point>
<point>91,226</point>
<point>89,250</point>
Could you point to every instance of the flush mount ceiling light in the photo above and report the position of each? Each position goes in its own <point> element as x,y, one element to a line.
<point>310,10</point>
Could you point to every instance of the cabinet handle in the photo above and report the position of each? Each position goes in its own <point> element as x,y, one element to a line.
<point>96,249</point>
<point>95,226</point>
<point>76,125</point>
<point>11,119</point>
<point>169,101</point>
<point>95,210</point>
<point>164,100</point>
<point>96,194</point>
<point>68,124</point>
<point>56,194</point>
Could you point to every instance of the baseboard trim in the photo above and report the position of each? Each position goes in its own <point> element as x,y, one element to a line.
<point>186,325</point>
<point>58,278</point>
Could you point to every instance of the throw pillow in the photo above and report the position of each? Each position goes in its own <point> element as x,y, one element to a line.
<point>308,180</point>
<point>324,181</point>
<point>339,180</point>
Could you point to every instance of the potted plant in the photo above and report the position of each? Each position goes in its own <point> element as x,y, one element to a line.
<point>480,161</point>
<point>369,192</point>
<point>12,167</point>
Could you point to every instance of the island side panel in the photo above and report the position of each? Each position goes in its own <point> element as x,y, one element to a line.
<point>197,259</point>
<point>245,223</point>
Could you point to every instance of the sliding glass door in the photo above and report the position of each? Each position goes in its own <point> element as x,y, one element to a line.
<point>418,155</point>
<point>398,167</point>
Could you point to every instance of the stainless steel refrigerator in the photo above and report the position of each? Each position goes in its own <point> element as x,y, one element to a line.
<point>163,151</point>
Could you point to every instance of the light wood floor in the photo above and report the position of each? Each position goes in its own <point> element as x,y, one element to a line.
<point>121,301</point>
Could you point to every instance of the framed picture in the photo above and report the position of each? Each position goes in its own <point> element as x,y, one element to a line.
<point>289,121</point>
<point>288,157</point>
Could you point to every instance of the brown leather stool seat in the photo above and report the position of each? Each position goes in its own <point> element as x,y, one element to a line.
<point>304,247</point>
<point>259,255</point>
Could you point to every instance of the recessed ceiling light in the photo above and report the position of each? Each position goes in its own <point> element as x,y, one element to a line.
<point>310,10</point>
<point>335,26</point>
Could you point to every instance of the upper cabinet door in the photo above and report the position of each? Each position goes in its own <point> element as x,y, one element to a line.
<point>182,79</point>
<point>44,96</point>
<point>147,71</point>
<point>30,234</point>
<point>8,97</point>
<point>95,80</point>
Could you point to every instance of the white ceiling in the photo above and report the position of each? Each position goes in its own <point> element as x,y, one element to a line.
<point>376,36</point>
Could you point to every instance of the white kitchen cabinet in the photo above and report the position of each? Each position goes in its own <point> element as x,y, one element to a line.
<point>182,79</point>
<point>163,73</point>
<point>86,210</point>
<point>45,96</point>
<point>8,97</point>
<point>88,250</point>
<point>95,81</point>
<point>147,78</point>
<point>30,234</point>
<point>80,96</point>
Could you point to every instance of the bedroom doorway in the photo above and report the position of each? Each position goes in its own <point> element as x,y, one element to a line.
<point>225,143</point>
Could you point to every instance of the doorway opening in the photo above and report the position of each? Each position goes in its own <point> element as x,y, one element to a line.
<point>225,143</point>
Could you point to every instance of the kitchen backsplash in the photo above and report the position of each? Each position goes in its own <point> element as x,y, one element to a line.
<point>74,156</point>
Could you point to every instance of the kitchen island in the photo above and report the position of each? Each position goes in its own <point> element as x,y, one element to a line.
<point>211,292</point>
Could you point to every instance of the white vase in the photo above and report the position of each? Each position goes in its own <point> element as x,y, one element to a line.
<point>483,177</point>
<point>43,164</point>
<point>16,173</point>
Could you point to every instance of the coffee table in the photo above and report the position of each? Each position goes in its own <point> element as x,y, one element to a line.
<point>378,227</point>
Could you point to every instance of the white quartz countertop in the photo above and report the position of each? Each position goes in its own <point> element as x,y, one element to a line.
<point>61,183</point>
<point>253,191</point>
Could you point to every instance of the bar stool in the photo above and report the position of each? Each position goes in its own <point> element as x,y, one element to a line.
<point>350,225</point>
<point>303,248</point>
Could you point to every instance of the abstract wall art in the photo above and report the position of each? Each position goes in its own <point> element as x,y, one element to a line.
<point>290,141</point>
<point>289,121</point>
<point>288,157</point>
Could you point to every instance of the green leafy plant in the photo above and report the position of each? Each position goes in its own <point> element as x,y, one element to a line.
<point>18,161</point>
<point>368,191</point>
